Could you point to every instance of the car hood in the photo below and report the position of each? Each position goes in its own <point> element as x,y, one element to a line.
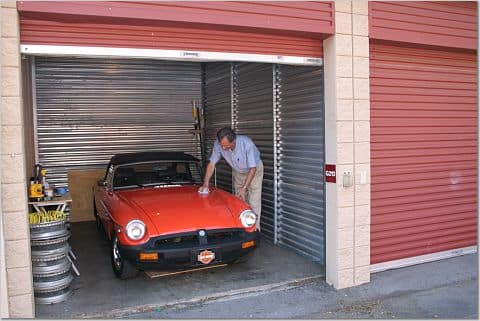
<point>179,209</point>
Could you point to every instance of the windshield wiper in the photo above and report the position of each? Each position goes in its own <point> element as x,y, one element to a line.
<point>155,184</point>
<point>128,186</point>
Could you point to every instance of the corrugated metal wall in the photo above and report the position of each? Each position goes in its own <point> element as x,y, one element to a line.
<point>300,160</point>
<point>218,113</point>
<point>89,109</point>
<point>283,28</point>
<point>254,118</point>
<point>281,109</point>
<point>299,16</point>
<point>440,23</point>
<point>423,151</point>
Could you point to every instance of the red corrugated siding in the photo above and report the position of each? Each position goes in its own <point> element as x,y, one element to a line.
<point>423,151</point>
<point>310,17</point>
<point>43,32</point>
<point>445,23</point>
<point>279,28</point>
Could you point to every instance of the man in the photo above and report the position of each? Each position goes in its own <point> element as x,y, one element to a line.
<point>243,156</point>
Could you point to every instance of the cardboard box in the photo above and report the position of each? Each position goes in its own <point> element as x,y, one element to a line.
<point>80,184</point>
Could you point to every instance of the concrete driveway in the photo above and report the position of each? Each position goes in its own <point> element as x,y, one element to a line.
<point>98,293</point>
<point>445,289</point>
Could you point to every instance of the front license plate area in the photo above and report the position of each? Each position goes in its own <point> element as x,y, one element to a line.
<point>206,256</point>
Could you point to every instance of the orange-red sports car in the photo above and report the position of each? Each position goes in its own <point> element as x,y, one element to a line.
<point>149,206</point>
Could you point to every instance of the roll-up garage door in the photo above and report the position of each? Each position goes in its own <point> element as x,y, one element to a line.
<point>268,28</point>
<point>423,151</point>
<point>90,109</point>
<point>218,113</point>
<point>253,116</point>
<point>300,160</point>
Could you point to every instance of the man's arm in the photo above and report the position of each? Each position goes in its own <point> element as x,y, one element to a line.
<point>242,192</point>
<point>208,174</point>
<point>252,164</point>
<point>214,158</point>
<point>250,175</point>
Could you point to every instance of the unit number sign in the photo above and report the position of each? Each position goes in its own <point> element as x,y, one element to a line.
<point>330,173</point>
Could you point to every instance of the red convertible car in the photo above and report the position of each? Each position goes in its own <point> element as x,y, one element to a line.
<point>149,206</point>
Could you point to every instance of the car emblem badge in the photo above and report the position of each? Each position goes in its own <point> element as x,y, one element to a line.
<point>206,256</point>
<point>201,233</point>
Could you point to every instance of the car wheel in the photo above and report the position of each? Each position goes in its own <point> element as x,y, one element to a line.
<point>121,267</point>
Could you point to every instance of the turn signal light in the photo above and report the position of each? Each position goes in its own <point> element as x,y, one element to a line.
<point>148,256</point>
<point>246,245</point>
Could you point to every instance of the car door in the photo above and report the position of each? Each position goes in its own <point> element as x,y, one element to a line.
<point>105,200</point>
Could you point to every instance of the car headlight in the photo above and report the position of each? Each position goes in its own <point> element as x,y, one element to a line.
<point>135,230</point>
<point>248,218</point>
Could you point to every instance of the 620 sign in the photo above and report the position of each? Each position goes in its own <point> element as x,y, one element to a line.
<point>330,173</point>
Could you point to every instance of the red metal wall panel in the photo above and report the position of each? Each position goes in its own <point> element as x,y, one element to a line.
<point>279,28</point>
<point>309,17</point>
<point>157,36</point>
<point>423,150</point>
<point>440,23</point>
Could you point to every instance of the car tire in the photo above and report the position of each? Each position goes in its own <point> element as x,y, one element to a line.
<point>121,267</point>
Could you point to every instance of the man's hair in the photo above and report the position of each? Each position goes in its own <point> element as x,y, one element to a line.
<point>226,132</point>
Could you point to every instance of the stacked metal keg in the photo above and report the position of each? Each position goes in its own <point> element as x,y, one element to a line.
<point>51,264</point>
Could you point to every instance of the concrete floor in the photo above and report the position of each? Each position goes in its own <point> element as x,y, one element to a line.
<point>98,293</point>
<point>445,289</point>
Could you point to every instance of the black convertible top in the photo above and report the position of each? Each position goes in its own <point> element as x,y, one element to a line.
<point>120,159</point>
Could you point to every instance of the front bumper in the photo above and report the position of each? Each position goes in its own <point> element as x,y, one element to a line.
<point>184,254</point>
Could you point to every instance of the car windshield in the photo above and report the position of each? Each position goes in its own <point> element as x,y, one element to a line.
<point>156,173</point>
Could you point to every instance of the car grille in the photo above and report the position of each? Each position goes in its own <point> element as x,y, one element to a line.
<point>192,239</point>
<point>224,236</point>
<point>178,241</point>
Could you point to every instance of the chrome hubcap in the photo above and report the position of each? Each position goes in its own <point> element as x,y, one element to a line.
<point>117,259</point>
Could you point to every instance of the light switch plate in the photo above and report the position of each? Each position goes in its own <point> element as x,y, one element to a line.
<point>347,179</point>
<point>363,177</point>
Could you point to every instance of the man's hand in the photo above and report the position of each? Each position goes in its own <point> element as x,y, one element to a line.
<point>241,193</point>
<point>204,189</point>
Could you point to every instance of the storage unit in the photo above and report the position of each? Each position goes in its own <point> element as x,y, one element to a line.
<point>424,130</point>
<point>88,109</point>
<point>114,77</point>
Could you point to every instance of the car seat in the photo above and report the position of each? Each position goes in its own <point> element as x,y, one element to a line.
<point>124,176</point>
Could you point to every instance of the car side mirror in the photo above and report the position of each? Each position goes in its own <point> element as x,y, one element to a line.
<point>102,183</point>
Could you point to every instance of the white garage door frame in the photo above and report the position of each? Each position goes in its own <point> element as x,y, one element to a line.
<point>166,55</point>
<point>181,55</point>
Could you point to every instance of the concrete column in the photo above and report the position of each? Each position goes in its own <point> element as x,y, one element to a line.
<point>347,111</point>
<point>14,212</point>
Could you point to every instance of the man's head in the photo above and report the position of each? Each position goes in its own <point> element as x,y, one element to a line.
<point>226,137</point>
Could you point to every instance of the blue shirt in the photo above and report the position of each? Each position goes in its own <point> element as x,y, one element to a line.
<point>245,155</point>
